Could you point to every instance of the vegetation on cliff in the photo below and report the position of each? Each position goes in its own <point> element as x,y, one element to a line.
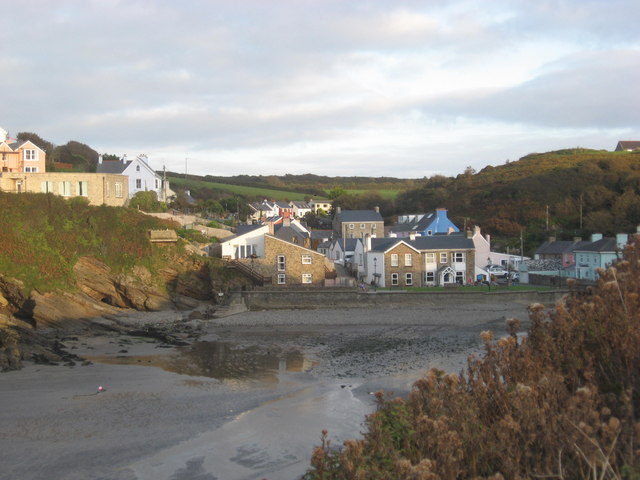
<point>43,235</point>
<point>562,402</point>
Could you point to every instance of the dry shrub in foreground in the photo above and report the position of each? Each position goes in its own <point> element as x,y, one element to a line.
<point>562,402</point>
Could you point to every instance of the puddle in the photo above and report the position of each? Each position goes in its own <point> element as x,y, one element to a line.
<point>220,360</point>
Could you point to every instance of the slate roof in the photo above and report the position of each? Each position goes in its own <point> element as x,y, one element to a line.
<point>242,229</point>
<point>415,226</point>
<point>607,244</point>
<point>359,216</point>
<point>441,242</point>
<point>558,247</point>
<point>628,145</point>
<point>320,234</point>
<point>112,166</point>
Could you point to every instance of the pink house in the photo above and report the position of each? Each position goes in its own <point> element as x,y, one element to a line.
<point>20,156</point>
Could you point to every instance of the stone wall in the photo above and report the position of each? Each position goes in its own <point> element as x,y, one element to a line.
<point>347,298</point>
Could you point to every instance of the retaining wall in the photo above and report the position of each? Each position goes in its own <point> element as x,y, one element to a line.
<point>335,298</point>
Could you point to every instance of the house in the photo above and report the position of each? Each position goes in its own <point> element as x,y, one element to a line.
<point>291,230</point>
<point>284,209</point>
<point>418,261</point>
<point>290,264</point>
<point>319,237</point>
<point>628,146</point>
<point>342,250</point>
<point>358,223</point>
<point>424,224</point>
<point>142,177</point>
<point>264,209</point>
<point>320,206</point>
<point>97,188</point>
<point>20,156</point>
<point>601,252</point>
<point>248,242</point>
<point>299,209</point>
<point>560,250</point>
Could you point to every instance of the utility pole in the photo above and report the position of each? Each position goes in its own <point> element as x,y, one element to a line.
<point>581,195</point>
<point>547,221</point>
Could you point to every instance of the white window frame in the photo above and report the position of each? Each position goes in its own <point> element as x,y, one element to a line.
<point>351,226</point>
<point>64,188</point>
<point>444,257</point>
<point>137,168</point>
<point>282,279</point>
<point>30,169</point>
<point>394,260</point>
<point>460,277</point>
<point>394,279</point>
<point>408,260</point>
<point>47,186</point>
<point>30,155</point>
<point>458,257</point>
<point>306,259</point>
<point>408,279</point>
<point>82,188</point>
<point>138,183</point>
<point>430,257</point>
<point>374,226</point>
<point>281,263</point>
<point>118,186</point>
<point>307,278</point>
<point>430,277</point>
<point>362,225</point>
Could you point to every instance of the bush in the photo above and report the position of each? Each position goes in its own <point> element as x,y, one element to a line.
<point>562,402</point>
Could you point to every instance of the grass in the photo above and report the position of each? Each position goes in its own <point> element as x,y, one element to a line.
<point>390,194</point>
<point>271,194</point>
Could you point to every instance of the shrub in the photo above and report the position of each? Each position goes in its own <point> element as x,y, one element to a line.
<point>562,402</point>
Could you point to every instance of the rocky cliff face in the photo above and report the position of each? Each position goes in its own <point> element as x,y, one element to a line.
<point>101,292</point>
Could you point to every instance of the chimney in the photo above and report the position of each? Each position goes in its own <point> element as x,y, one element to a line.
<point>377,209</point>
<point>367,243</point>
<point>577,239</point>
<point>338,210</point>
<point>476,230</point>
<point>552,239</point>
<point>469,234</point>
<point>412,236</point>
<point>286,222</point>
<point>596,236</point>
<point>621,240</point>
<point>100,159</point>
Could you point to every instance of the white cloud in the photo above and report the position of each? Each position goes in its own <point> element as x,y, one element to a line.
<point>405,88</point>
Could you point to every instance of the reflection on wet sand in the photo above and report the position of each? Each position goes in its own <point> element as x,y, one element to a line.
<point>220,360</point>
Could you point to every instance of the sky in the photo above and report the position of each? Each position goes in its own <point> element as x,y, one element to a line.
<point>406,89</point>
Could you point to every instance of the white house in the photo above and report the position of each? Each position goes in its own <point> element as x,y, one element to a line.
<point>248,241</point>
<point>142,178</point>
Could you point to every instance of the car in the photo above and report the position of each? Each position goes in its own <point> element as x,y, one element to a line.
<point>496,270</point>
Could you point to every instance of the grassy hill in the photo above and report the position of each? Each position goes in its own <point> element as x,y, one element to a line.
<point>43,235</point>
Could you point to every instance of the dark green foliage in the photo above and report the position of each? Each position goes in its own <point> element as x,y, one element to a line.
<point>43,235</point>
<point>147,202</point>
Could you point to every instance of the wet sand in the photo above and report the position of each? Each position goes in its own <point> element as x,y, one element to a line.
<point>247,401</point>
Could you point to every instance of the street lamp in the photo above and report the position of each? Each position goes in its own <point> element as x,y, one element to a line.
<point>489,272</point>
<point>375,271</point>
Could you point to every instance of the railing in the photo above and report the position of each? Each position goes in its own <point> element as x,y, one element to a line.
<point>248,271</point>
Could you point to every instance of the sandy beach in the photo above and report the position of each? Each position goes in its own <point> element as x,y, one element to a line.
<point>246,400</point>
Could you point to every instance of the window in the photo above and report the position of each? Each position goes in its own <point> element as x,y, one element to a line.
<point>157,184</point>
<point>306,259</point>
<point>460,278</point>
<point>373,226</point>
<point>64,189</point>
<point>444,257</point>
<point>429,233</point>
<point>138,183</point>
<point>83,189</point>
<point>351,226</point>
<point>282,279</point>
<point>281,261</point>
<point>362,226</point>
<point>47,187</point>
<point>408,279</point>
<point>118,190</point>
<point>107,189</point>
<point>430,277</point>
<point>394,279</point>
<point>458,257</point>
<point>137,168</point>
<point>31,155</point>
<point>430,257</point>
<point>307,278</point>
<point>394,259</point>
<point>31,169</point>
<point>408,260</point>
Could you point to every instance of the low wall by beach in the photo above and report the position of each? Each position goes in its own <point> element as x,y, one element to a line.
<point>311,298</point>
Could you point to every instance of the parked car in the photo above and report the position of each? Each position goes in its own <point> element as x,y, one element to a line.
<point>496,270</point>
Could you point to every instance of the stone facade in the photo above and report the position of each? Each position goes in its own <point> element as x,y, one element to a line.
<point>289,264</point>
<point>403,266</point>
<point>97,188</point>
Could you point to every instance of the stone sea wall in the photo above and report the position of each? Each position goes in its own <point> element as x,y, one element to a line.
<point>341,298</point>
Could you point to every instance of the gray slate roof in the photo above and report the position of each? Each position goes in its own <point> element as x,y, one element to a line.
<point>112,166</point>
<point>440,242</point>
<point>359,216</point>
<point>607,244</point>
<point>558,247</point>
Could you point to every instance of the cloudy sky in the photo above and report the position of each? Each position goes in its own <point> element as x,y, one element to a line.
<point>331,87</point>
